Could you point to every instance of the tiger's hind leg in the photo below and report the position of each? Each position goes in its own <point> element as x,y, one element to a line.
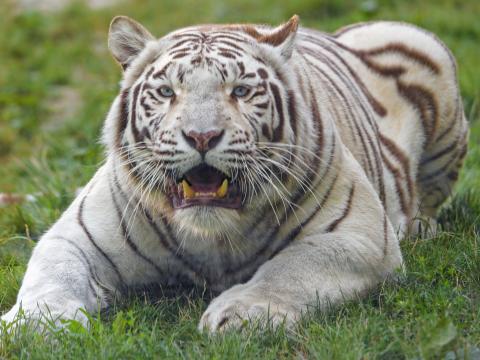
<point>434,94</point>
<point>424,113</point>
<point>438,171</point>
<point>439,167</point>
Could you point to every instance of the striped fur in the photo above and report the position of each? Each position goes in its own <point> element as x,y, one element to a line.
<point>341,143</point>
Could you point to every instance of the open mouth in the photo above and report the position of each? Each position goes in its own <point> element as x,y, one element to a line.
<point>205,185</point>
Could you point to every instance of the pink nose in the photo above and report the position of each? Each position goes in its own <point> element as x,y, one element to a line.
<point>203,141</point>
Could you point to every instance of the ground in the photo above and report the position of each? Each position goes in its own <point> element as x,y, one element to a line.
<point>56,83</point>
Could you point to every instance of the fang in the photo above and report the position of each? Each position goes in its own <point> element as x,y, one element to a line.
<point>222,190</point>
<point>188,193</point>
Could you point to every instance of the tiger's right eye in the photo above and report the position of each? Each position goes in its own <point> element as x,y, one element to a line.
<point>166,91</point>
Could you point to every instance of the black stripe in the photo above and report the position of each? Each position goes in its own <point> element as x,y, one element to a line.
<point>183,259</point>
<point>376,105</point>
<point>409,52</point>
<point>90,285</point>
<point>417,95</point>
<point>401,157</point>
<point>228,55</point>
<point>84,259</point>
<point>133,115</point>
<point>318,124</point>
<point>259,255</point>
<point>161,73</point>
<point>295,232</point>
<point>187,35</point>
<point>385,235</point>
<point>441,153</point>
<point>231,44</point>
<point>225,50</point>
<point>450,127</point>
<point>378,175</point>
<point>123,118</point>
<point>368,167</point>
<point>127,236</point>
<point>226,35</point>
<point>397,176</point>
<point>292,112</point>
<point>92,240</point>
<point>441,171</point>
<point>278,131</point>
<point>179,43</point>
<point>346,211</point>
<point>160,235</point>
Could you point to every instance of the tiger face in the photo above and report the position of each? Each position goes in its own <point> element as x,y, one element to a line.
<point>199,114</point>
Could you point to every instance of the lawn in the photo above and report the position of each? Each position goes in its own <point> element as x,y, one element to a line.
<point>57,81</point>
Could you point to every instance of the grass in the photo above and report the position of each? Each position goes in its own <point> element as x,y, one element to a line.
<point>57,81</point>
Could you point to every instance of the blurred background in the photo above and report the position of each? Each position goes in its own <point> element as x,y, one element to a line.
<point>57,81</point>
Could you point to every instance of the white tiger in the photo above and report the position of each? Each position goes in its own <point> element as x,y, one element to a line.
<point>275,166</point>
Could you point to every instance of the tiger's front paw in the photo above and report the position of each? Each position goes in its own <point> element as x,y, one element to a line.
<point>240,306</point>
<point>43,317</point>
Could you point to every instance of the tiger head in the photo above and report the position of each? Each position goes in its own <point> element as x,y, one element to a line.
<point>204,119</point>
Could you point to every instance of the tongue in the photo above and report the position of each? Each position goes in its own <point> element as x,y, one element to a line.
<point>204,179</point>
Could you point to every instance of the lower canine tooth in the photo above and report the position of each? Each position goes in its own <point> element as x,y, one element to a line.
<point>222,190</point>
<point>188,193</point>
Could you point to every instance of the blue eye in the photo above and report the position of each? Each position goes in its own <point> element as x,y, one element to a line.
<point>166,91</point>
<point>240,91</point>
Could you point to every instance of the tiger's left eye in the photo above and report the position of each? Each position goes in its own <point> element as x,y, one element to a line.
<point>240,91</point>
<point>166,91</point>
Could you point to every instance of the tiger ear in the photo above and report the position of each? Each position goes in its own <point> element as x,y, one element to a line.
<point>282,37</point>
<point>126,39</point>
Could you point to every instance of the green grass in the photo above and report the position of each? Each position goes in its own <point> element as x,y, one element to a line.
<point>433,309</point>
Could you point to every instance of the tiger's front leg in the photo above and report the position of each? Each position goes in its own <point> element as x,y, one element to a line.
<point>60,283</point>
<point>326,266</point>
<point>72,270</point>
<point>320,270</point>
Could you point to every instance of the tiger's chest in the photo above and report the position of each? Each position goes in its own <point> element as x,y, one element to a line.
<point>217,264</point>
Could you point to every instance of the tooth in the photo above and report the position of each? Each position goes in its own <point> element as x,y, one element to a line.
<point>222,190</point>
<point>187,190</point>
